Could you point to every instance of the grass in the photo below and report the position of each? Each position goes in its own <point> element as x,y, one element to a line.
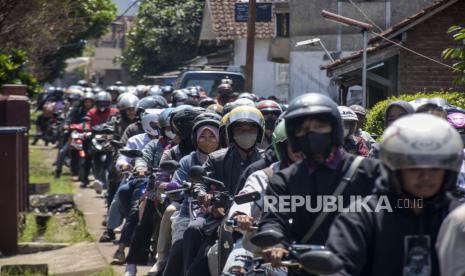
<point>30,231</point>
<point>108,271</point>
<point>41,171</point>
<point>67,227</point>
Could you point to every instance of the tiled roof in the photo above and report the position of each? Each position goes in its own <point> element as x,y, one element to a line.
<point>225,27</point>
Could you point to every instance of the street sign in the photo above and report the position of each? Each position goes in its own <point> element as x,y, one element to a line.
<point>263,12</point>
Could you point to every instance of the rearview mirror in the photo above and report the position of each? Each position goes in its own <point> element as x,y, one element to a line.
<point>247,197</point>
<point>267,238</point>
<point>320,262</point>
<point>196,173</point>
<point>131,153</point>
<point>169,165</point>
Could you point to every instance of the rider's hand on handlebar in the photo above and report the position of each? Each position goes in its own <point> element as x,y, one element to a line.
<point>244,222</point>
<point>274,255</point>
<point>126,167</point>
<point>218,212</point>
<point>204,199</point>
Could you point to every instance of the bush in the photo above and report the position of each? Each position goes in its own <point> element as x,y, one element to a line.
<point>375,118</point>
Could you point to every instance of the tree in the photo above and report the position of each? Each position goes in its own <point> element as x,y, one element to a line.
<point>165,35</point>
<point>12,70</point>
<point>50,31</point>
<point>457,53</point>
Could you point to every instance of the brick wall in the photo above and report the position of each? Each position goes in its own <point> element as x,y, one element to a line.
<point>417,74</point>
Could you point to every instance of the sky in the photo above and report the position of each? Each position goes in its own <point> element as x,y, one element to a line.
<point>123,5</point>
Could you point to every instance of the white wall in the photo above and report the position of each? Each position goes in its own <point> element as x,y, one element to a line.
<point>305,74</point>
<point>266,73</point>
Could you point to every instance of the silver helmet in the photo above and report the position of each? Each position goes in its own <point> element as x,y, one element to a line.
<point>349,120</point>
<point>422,141</point>
<point>150,121</point>
<point>127,100</point>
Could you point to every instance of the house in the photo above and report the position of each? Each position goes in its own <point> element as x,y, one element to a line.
<point>306,23</point>
<point>393,69</point>
<point>219,25</point>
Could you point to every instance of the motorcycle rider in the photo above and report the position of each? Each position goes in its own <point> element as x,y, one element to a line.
<point>314,127</point>
<point>361,115</point>
<point>245,129</point>
<point>352,143</point>
<point>126,195</point>
<point>421,156</point>
<point>150,102</point>
<point>271,111</point>
<point>181,123</point>
<point>167,92</point>
<point>246,214</point>
<point>100,114</point>
<point>127,104</point>
<point>75,115</point>
<point>205,137</point>
<point>225,94</point>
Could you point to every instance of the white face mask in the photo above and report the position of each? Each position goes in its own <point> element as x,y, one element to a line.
<point>245,140</point>
<point>170,134</point>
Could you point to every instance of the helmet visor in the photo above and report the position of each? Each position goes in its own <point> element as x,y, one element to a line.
<point>400,161</point>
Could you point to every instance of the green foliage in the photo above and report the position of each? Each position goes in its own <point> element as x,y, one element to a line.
<point>457,53</point>
<point>375,118</point>
<point>166,34</point>
<point>98,16</point>
<point>12,70</point>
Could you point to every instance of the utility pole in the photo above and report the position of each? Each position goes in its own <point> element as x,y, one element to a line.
<point>250,46</point>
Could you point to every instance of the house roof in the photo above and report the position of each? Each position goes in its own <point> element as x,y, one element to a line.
<point>225,27</point>
<point>404,25</point>
<point>413,20</point>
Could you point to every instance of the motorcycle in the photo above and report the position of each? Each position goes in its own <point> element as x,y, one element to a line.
<point>314,259</point>
<point>76,150</point>
<point>101,150</point>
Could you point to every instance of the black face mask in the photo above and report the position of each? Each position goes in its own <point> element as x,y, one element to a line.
<point>270,123</point>
<point>312,144</point>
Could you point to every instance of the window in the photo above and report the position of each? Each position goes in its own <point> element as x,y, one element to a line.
<point>282,24</point>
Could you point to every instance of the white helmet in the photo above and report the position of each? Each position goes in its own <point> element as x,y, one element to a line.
<point>422,141</point>
<point>347,114</point>
<point>127,100</point>
<point>150,121</point>
<point>244,101</point>
<point>349,120</point>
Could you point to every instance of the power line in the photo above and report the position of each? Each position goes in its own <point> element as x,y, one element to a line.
<point>130,6</point>
<point>396,43</point>
<point>413,51</point>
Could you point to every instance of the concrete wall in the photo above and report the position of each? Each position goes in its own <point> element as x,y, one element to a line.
<point>266,73</point>
<point>307,22</point>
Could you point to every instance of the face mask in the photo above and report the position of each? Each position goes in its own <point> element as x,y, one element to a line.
<point>245,140</point>
<point>170,134</point>
<point>312,144</point>
<point>270,123</point>
<point>346,132</point>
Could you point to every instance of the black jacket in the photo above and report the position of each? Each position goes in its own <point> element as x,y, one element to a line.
<point>131,130</point>
<point>226,166</point>
<point>388,243</point>
<point>299,180</point>
<point>269,157</point>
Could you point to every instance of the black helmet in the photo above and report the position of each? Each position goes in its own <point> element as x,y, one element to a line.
<point>183,121</point>
<point>112,89</point>
<point>228,107</point>
<point>179,97</point>
<point>151,102</point>
<point>313,104</point>
<point>167,89</point>
<point>206,102</point>
<point>193,92</point>
<point>204,119</point>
